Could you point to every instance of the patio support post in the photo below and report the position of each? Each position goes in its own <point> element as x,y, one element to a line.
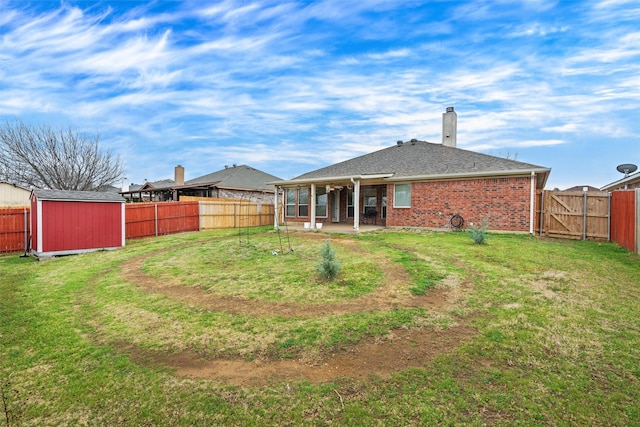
<point>356,204</point>
<point>312,202</point>
<point>276,223</point>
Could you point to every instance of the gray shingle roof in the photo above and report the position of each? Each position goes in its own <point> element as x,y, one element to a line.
<point>421,158</point>
<point>86,196</point>
<point>240,177</point>
<point>163,184</point>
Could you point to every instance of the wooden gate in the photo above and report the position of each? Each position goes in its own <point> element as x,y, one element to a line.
<point>575,215</point>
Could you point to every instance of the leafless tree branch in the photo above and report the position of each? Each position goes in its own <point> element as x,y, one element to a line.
<point>62,159</point>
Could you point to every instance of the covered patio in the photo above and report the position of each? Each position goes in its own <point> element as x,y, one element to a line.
<point>342,201</point>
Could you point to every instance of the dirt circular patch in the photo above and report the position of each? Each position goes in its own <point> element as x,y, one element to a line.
<point>398,350</point>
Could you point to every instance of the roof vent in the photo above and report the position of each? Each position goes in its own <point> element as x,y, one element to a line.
<point>399,143</point>
<point>414,140</point>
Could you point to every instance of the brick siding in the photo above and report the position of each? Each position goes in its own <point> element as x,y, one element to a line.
<point>502,202</point>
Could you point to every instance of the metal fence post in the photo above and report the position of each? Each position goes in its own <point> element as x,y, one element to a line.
<point>26,233</point>
<point>584,216</point>
<point>609,219</point>
<point>541,211</point>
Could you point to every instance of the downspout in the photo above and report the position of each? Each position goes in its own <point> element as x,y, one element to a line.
<point>532,211</point>
<point>356,204</point>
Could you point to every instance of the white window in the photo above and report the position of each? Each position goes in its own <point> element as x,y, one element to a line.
<point>402,196</point>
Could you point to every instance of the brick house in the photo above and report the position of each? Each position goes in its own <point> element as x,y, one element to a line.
<point>419,184</point>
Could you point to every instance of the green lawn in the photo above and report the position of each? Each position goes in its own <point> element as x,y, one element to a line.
<point>517,331</point>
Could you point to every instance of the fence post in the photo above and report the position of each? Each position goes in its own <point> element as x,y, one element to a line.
<point>155,217</point>
<point>541,211</point>
<point>584,215</point>
<point>609,217</point>
<point>26,237</point>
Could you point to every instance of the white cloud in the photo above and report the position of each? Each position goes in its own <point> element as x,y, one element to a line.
<point>295,85</point>
<point>538,143</point>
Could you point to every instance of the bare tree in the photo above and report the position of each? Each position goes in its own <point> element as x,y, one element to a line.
<point>60,159</point>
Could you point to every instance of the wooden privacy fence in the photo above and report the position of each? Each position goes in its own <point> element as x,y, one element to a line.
<point>591,216</point>
<point>14,229</point>
<point>156,219</point>
<point>193,214</point>
<point>575,215</point>
<point>225,213</point>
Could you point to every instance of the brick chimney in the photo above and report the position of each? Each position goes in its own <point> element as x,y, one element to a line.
<point>179,175</point>
<point>449,128</point>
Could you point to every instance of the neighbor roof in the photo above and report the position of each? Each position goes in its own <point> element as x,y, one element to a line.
<point>415,160</point>
<point>163,184</point>
<point>82,196</point>
<point>240,177</point>
<point>627,180</point>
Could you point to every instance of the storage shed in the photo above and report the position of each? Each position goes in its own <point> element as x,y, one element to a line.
<point>72,222</point>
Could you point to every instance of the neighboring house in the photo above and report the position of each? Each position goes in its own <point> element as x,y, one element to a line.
<point>156,191</point>
<point>583,188</point>
<point>629,182</point>
<point>419,184</point>
<point>13,196</point>
<point>234,182</point>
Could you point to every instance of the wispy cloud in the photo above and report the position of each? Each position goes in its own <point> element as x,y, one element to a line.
<point>291,86</point>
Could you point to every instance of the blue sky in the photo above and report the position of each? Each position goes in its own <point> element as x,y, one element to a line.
<point>292,86</point>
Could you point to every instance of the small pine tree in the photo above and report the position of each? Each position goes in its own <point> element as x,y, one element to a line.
<point>329,266</point>
<point>479,234</point>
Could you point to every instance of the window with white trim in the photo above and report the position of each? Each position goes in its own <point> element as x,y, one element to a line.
<point>291,202</point>
<point>303,201</point>
<point>402,195</point>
